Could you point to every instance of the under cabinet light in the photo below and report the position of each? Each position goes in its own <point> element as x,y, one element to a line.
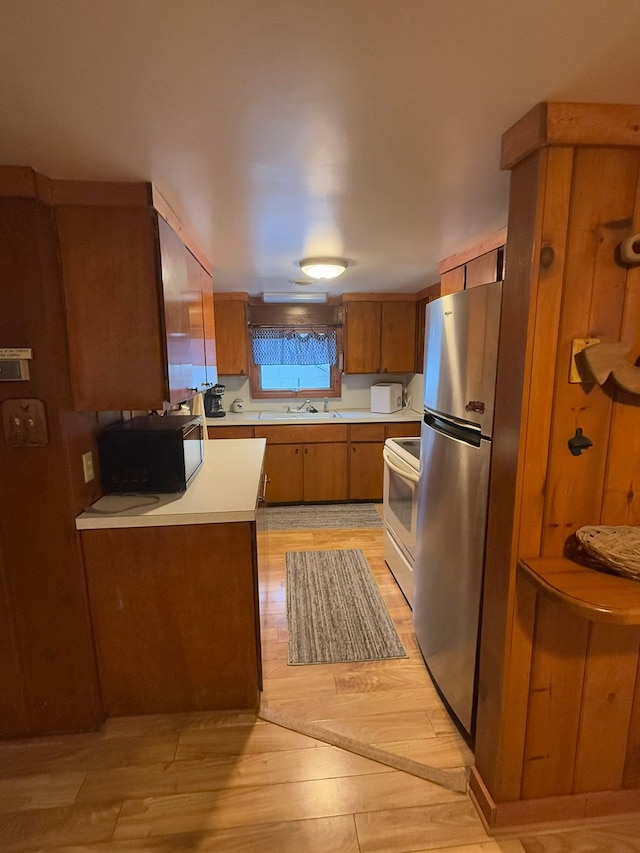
<point>294,297</point>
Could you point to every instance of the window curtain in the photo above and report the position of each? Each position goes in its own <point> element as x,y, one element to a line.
<point>291,346</point>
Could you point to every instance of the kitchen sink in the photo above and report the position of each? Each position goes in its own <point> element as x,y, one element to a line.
<point>298,416</point>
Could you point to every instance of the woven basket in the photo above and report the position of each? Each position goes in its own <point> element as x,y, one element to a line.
<point>616,547</point>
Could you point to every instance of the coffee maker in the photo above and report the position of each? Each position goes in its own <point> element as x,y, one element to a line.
<point>213,402</point>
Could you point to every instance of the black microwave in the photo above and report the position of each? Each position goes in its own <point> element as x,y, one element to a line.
<point>154,453</point>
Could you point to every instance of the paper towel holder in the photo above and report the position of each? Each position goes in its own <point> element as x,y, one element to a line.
<point>628,252</point>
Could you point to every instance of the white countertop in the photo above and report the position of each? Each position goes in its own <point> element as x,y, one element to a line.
<point>346,416</point>
<point>225,489</point>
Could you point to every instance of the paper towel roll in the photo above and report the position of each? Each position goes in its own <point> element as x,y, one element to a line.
<point>197,408</point>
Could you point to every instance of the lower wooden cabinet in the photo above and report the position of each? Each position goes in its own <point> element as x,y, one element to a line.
<point>366,464</point>
<point>339,461</point>
<point>283,466</point>
<point>365,461</point>
<point>306,473</point>
<point>325,472</point>
<point>175,616</point>
<point>366,471</point>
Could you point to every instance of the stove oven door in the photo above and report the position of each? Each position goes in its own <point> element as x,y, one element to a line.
<point>400,519</point>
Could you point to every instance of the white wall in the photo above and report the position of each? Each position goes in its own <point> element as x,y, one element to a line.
<point>355,392</point>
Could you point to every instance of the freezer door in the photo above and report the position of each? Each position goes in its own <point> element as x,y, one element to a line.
<point>461,352</point>
<point>452,512</point>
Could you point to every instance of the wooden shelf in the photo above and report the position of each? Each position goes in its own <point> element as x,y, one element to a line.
<point>589,593</point>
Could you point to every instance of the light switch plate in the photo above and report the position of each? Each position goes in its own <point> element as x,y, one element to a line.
<point>25,423</point>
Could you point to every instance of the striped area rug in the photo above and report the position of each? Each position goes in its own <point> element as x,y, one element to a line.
<point>335,612</point>
<point>308,516</point>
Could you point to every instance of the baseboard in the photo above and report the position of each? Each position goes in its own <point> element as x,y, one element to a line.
<point>561,811</point>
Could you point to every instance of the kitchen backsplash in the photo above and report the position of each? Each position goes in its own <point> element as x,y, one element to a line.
<point>355,392</point>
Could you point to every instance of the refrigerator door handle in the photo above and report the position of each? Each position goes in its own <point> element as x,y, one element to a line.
<point>468,434</point>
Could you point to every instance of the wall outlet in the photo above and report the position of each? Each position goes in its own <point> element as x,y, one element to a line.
<point>87,466</point>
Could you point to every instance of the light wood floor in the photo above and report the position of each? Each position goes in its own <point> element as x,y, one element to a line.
<point>231,782</point>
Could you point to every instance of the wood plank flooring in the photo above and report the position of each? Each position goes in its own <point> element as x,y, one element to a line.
<point>232,782</point>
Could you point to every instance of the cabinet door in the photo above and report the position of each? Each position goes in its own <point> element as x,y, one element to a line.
<point>366,471</point>
<point>176,622</point>
<point>195,306</point>
<point>283,467</point>
<point>210,356</point>
<point>111,287</point>
<point>398,337</point>
<point>483,269</point>
<point>231,337</point>
<point>362,322</point>
<point>175,290</point>
<point>403,430</point>
<point>325,472</point>
<point>452,281</point>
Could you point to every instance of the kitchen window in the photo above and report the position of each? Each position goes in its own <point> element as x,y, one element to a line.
<point>290,361</point>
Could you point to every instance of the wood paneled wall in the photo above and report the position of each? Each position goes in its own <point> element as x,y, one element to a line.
<point>570,207</point>
<point>48,676</point>
<point>48,673</point>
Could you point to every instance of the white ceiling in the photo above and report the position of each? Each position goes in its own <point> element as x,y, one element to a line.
<point>276,129</point>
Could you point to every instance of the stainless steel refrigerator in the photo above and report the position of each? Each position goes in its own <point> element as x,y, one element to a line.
<point>461,346</point>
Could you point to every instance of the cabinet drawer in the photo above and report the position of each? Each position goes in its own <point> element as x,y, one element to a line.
<point>303,434</point>
<point>367,432</point>
<point>231,432</point>
<point>412,428</point>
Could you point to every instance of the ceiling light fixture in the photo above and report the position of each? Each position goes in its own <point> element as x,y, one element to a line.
<point>323,267</point>
<point>301,296</point>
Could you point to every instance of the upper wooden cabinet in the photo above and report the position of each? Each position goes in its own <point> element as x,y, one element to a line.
<point>362,338</point>
<point>135,318</point>
<point>231,337</point>
<point>202,332</point>
<point>484,269</point>
<point>452,281</point>
<point>380,336</point>
<point>397,337</point>
<point>209,328</point>
<point>479,264</point>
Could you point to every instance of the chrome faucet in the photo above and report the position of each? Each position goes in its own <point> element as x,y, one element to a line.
<point>306,405</point>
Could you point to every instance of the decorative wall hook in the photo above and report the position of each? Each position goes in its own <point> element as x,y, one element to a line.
<point>604,360</point>
<point>578,443</point>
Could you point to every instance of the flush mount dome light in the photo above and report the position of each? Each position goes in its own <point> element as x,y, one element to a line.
<point>323,267</point>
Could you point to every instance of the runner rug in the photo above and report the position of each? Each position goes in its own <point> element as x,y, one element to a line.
<point>308,516</point>
<point>335,612</point>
